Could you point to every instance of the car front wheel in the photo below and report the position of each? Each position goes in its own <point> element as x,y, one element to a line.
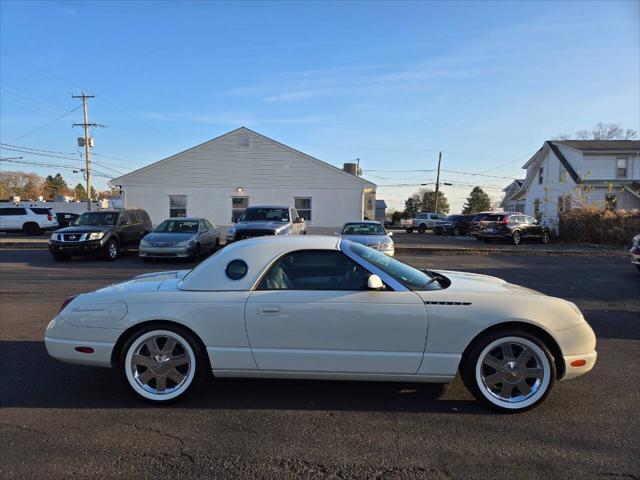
<point>517,238</point>
<point>545,238</point>
<point>111,251</point>
<point>509,371</point>
<point>422,228</point>
<point>162,364</point>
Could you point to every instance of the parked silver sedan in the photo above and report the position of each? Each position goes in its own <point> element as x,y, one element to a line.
<point>369,233</point>
<point>180,238</point>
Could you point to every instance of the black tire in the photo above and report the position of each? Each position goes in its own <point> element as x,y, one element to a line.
<point>202,366</point>
<point>456,231</point>
<point>216,245</point>
<point>111,250</point>
<point>31,228</point>
<point>197,253</point>
<point>471,372</point>
<point>422,228</point>
<point>546,238</point>
<point>59,257</point>
<point>409,230</point>
<point>516,238</point>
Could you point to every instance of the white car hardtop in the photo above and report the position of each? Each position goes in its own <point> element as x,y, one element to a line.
<point>325,308</point>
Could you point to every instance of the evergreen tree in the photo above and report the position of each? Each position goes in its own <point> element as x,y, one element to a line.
<point>477,201</point>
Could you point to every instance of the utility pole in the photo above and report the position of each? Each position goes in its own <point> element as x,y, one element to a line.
<point>87,143</point>
<point>438,181</point>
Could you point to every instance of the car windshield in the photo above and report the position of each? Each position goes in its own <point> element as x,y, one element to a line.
<point>363,229</point>
<point>178,226</point>
<point>409,276</point>
<point>97,218</point>
<point>260,213</point>
<point>452,218</point>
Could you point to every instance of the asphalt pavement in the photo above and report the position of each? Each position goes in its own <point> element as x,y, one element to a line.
<point>59,420</point>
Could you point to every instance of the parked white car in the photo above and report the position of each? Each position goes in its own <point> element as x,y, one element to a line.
<point>319,307</point>
<point>30,220</point>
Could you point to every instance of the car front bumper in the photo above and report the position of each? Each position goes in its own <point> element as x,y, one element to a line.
<point>166,252</point>
<point>65,351</point>
<point>93,247</point>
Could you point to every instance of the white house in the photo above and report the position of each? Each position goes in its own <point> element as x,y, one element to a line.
<point>566,173</point>
<point>508,204</point>
<point>218,179</point>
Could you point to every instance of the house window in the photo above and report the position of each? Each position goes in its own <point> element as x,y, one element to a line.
<point>238,206</point>
<point>303,206</point>
<point>564,203</point>
<point>177,206</point>
<point>610,201</point>
<point>621,168</point>
<point>561,173</point>
<point>536,208</point>
<point>243,140</point>
<point>540,175</point>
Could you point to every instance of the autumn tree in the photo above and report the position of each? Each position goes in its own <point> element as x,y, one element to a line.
<point>27,186</point>
<point>477,201</point>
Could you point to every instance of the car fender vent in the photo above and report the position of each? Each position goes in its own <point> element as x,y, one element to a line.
<point>447,303</point>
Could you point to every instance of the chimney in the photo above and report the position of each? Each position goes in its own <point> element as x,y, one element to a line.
<point>353,168</point>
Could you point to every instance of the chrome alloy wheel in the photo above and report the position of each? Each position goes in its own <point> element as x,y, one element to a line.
<point>513,372</point>
<point>160,365</point>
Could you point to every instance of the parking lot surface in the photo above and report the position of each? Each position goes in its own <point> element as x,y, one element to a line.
<point>59,420</point>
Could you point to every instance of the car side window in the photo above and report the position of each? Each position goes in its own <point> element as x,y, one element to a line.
<point>123,218</point>
<point>315,270</point>
<point>134,218</point>
<point>13,211</point>
<point>209,225</point>
<point>203,226</point>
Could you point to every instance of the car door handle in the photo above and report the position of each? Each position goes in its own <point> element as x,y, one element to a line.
<point>269,310</point>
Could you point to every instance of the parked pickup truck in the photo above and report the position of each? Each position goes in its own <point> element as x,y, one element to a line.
<point>422,222</point>
<point>267,220</point>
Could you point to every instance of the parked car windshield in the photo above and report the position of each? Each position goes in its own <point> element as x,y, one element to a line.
<point>493,218</point>
<point>178,226</point>
<point>270,214</point>
<point>97,218</point>
<point>409,276</point>
<point>452,218</point>
<point>363,229</point>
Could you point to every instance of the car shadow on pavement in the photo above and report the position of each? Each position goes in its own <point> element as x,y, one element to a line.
<point>31,379</point>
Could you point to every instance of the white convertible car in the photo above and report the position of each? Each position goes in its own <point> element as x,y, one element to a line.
<point>324,308</point>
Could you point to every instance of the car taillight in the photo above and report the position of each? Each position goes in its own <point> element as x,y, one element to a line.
<point>49,217</point>
<point>505,220</point>
<point>67,302</point>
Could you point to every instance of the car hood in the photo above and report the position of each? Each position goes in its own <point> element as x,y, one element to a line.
<point>168,237</point>
<point>85,229</point>
<point>261,225</point>
<point>368,240</point>
<point>476,283</point>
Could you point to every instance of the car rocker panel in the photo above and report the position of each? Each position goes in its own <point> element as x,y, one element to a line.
<point>153,326</point>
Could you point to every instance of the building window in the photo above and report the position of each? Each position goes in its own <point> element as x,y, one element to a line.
<point>540,175</point>
<point>564,203</point>
<point>610,201</point>
<point>238,206</point>
<point>177,206</point>
<point>536,208</point>
<point>621,168</point>
<point>303,206</point>
<point>561,173</point>
<point>243,140</point>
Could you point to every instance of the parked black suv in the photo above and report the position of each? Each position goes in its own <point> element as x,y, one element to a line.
<point>513,226</point>
<point>102,233</point>
<point>454,225</point>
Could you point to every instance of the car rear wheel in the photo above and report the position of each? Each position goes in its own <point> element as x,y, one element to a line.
<point>162,364</point>
<point>111,251</point>
<point>545,238</point>
<point>511,370</point>
<point>517,238</point>
<point>422,228</point>
<point>31,228</point>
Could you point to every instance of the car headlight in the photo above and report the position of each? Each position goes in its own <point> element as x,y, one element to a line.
<point>636,241</point>
<point>186,243</point>
<point>386,245</point>
<point>54,236</point>
<point>95,236</point>
<point>144,243</point>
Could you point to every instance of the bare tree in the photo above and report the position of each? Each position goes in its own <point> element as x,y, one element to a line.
<point>602,131</point>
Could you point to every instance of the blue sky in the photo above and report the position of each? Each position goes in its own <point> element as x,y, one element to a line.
<point>389,83</point>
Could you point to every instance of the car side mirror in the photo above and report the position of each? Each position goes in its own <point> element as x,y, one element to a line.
<point>299,220</point>
<point>375,283</point>
<point>390,234</point>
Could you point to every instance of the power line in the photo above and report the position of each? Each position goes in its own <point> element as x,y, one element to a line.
<point>54,165</point>
<point>46,124</point>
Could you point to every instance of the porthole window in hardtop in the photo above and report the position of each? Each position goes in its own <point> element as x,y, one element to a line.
<point>236,269</point>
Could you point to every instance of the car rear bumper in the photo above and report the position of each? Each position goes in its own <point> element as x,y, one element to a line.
<point>65,351</point>
<point>95,247</point>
